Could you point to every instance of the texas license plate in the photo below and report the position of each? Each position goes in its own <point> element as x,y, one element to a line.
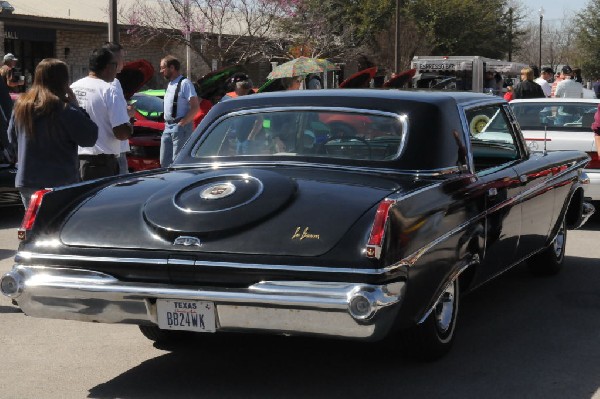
<point>174,314</point>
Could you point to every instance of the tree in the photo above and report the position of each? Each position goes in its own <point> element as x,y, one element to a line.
<point>587,38</point>
<point>467,27</point>
<point>230,31</point>
<point>332,28</point>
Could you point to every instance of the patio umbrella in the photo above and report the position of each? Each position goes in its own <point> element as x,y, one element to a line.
<point>301,66</point>
<point>359,79</point>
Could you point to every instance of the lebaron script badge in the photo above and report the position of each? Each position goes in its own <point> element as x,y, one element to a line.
<point>300,234</point>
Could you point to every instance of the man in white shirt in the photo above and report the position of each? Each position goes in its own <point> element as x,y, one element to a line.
<point>568,88</point>
<point>118,52</point>
<point>181,105</point>
<point>108,110</point>
<point>544,80</point>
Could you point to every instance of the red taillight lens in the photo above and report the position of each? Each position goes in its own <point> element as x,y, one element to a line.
<point>378,229</point>
<point>595,162</point>
<point>29,218</point>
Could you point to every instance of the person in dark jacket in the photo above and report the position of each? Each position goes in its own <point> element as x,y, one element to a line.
<point>46,127</point>
<point>527,88</point>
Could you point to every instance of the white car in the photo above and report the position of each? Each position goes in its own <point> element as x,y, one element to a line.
<point>567,122</point>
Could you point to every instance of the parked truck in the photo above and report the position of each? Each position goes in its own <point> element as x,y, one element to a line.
<point>465,73</point>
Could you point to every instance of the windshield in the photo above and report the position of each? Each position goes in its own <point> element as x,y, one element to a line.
<point>555,115</point>
<point>328,134</point>
<point>149,106</point>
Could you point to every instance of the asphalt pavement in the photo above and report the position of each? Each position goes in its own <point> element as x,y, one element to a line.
<point>519,336</point>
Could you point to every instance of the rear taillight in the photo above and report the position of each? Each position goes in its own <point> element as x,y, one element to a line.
<point>31,213</point>
<point>595,162</point>
<point>378,230</point>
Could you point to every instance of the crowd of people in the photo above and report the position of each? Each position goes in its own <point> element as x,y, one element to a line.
<point>62,134</point>
<point>566,84</point>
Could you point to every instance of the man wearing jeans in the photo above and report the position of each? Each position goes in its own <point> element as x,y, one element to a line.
<point>181,104</point>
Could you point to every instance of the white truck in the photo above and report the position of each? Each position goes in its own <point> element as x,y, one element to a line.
<point>465,73</point>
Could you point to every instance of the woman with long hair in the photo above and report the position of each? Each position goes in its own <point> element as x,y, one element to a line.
<point>46,127</point>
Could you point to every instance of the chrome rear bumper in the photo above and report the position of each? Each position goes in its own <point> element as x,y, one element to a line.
<point>292,307</point>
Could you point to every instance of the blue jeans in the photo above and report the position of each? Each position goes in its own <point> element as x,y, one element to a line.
<point>172,140</point>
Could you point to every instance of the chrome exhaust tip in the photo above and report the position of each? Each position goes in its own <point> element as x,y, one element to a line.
<point>11,284</point>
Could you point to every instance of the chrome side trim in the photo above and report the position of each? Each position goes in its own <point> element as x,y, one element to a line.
<point>380,171</point>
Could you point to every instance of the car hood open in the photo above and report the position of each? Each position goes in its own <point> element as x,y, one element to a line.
<point>272,211</point>
<point>134,76</point>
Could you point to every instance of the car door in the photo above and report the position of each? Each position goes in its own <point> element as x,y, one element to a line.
<point>496,152</point>
<point>536,196</point>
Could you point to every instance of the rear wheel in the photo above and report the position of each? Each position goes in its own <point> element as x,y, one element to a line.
<point>550,260</point>
<point>153,333</point>
<point>433,338</point>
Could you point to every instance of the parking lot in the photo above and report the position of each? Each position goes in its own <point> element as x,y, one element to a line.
<point>519,336</point>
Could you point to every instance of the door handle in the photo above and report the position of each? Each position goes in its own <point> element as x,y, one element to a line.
<point>523,179</point>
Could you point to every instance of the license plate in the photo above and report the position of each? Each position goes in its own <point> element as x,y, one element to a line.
<point>174,314</point>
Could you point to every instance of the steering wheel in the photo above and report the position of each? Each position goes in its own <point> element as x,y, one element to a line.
<point>350,138</point>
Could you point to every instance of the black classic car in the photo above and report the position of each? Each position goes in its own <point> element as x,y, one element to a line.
<point>270,220</point>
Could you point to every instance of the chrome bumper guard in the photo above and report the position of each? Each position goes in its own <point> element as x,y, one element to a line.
<point>350,310</point>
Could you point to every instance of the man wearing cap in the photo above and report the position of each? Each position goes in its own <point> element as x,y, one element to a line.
<point>568,87</point>
<point>544,80</point>
<point>6,71</point>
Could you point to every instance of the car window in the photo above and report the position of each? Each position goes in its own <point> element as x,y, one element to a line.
<point>327,134</point>
<point>567,116</point>
<point>493,141</point>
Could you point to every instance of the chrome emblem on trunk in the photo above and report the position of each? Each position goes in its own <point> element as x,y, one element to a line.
<point>187,241</point>
<point>217,191</point>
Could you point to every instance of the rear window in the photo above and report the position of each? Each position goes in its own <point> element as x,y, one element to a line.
<point>555,115</point>
<point>327,134</point>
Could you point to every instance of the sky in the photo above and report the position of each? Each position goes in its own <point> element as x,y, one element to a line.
<point>554,10</point>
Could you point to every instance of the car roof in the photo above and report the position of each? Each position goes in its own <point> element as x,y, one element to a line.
<point>557,100</point>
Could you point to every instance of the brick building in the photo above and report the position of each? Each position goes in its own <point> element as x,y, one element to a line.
<point>70,29</point>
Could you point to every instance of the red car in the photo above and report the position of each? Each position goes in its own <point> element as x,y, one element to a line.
<point>148,126</point>
<point>149,122</point>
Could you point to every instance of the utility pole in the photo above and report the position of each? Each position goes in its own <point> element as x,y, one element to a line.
<point>397,46</point>
<point>113,28</point>
<point>510,33</point>
<point>541,11</point>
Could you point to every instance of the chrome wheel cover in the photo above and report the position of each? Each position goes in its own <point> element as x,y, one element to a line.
<point>559,242</point>
<point>444,310</point>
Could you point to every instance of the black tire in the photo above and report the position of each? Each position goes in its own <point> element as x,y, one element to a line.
<point>550,261</point>
<point>153,333</point>
<point>433,338</point>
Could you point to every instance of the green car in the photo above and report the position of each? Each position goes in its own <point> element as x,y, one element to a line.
<point>154,93</point>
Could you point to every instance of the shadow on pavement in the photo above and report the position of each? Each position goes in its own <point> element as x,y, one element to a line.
<point>10,217</point>
<point>519,336</point>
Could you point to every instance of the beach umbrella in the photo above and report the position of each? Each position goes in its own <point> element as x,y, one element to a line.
<point>301,66</point>
<point>359,79</point>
